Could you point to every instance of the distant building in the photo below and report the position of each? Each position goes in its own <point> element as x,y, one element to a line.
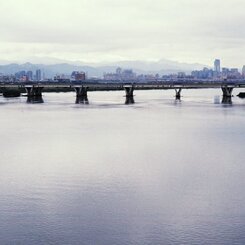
<point>232,73</point>
<point>235,73</point>
<point>112,76</point>
<point>7,78</point>
<point>120,75</point>
<point>29,75</point>
<point>61,76</point>
<point>243,71</point>
<point>128,74</point>
<point>225,71</point>
<point>38,75</point>
<point>217,66</point>
<point>24,79</point>
<point>19,75</point>
<point>148,77</point>
<point>78,76</point>
<point>181,75</point>
<point>203,74</point>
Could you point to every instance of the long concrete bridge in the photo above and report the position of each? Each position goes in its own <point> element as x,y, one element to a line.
<point>34,90</point>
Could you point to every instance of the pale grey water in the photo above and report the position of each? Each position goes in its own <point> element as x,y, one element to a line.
<point>156,172</point>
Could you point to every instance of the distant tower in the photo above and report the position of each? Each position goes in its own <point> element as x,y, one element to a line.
<point>38,75</point>
<point>243,71</point>
<point>217,66</point>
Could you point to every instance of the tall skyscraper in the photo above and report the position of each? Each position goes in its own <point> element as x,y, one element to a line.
<point>38,75</point>
<point>243,71</point>
<point>217,66</point>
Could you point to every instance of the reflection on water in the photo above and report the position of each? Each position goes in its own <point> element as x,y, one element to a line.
<point>149,173</point>
<point>177,101</point>
<point>225,100</point>
<point>82,100</point>
<point>216,99</point>
<point>35,99</point>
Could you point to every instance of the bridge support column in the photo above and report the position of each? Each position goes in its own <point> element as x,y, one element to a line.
<point>227,100</point>
<point>82,95</point>
<point>129,89</point>
<point>33,91</point>
<point>82,100</point>
<point>35,100</point>
<point>129,100</point>
<point>81,91</point>
<point>178,93</point>
<point>227,91</point>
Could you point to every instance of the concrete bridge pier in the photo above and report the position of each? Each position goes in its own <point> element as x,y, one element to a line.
<point>129,100</point>
<point>227,100</point>
<point>227,91</point>
<point>129,89</point>
<point>81,91</point>
<point>33,91</point>
<point>82,95</point>
<point>35,100</point>
<point>82,100</point>
<point>178,93</point>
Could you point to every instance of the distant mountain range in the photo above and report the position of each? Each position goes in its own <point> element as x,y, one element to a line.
<point>98,69</point>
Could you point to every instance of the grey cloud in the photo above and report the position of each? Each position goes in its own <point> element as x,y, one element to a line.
<point>179,29</point>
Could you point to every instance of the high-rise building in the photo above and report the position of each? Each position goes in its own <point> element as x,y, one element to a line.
<point>217,66</point>
<point>38,75</point>
<point>243,71</point>
<point>29,75</point>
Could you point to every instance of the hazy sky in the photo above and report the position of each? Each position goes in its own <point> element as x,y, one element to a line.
<point>109,30</point>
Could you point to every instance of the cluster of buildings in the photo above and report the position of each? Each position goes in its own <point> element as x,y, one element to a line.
<point>78,76</point>
<point>7,78</point>
<point>38,75</point>
<point>219,73</point>
<point>129,75</point>
<point>75,76</point>
<point>25,76</point>
<point>120,75</point>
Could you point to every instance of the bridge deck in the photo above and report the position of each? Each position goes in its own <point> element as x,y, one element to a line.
<point>120,86</point>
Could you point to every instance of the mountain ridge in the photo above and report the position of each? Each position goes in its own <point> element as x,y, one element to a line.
<point>162,67</point>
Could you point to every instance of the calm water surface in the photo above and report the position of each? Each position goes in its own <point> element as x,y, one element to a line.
<point>159,171</point>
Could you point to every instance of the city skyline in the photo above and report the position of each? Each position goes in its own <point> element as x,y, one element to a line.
<point>108,31</point>
<point>34,73</point>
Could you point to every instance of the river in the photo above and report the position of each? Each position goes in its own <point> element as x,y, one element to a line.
<point>159,171</point>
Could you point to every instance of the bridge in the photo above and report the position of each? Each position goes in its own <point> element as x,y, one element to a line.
<point>34,90</point>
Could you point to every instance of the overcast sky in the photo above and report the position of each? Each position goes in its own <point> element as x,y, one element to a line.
<point>111,30</point>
